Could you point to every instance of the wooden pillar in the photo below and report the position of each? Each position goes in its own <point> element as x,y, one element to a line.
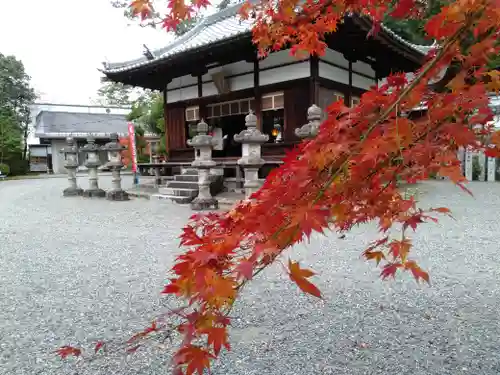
<point>201,103</point>
<point>348,99</point>
<point>257,93</point>
<point>314,80</point>
<point>165,119</point>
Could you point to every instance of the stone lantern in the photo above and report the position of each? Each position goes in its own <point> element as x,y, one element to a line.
<point>114,148</point>
<point>310,130</point>
<point>203,145</point>
<point>92,162</point>
<point>251,140</point>
<point>71,164</point>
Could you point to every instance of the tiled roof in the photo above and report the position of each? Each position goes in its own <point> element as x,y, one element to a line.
<point>51,123</point>
<point>217,27</point>
<point>220,26</point>
<point>417,47</point>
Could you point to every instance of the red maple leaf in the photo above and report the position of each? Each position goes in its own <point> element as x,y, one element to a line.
<point>413,221</point>
<point>67,351</point>
<point>417,272</point>
<point>245,269</point>
<point>194,358</point>
<point>99,345</point>
<point>390,270</point>
<point>300,276</point>
<point>217,337</point>
<point>403,8</point>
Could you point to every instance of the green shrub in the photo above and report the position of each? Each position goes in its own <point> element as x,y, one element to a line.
<point>19,167</point>
<point>4,169</point>
<point>432,176</point>
<point>142,158</point>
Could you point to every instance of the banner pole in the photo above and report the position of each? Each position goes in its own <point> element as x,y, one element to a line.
<point>131,135</point>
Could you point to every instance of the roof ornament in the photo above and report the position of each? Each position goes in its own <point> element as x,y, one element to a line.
<point>147,52</point>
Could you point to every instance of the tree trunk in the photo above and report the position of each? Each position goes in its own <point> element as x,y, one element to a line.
<point>25,140</point>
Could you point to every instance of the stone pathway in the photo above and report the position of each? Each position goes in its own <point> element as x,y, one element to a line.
<point>73,271</point>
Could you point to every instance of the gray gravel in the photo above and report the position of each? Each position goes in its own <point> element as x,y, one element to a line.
<point>74,271</point>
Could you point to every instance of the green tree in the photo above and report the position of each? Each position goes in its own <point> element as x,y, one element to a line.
<point>10,136</point>
<point>413,29</point>
<point>16,95</point>
<point>114,93</point>
<point>147,112</point>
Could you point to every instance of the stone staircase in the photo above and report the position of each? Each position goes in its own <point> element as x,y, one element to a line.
<point>184,187</point>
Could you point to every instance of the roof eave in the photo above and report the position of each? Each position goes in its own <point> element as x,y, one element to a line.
<point>409,50</point>
<point>171,58</point>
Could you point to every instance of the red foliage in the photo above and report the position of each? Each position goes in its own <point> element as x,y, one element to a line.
<point>126,153</point>
<point>68,351</point>
<point>348,174</point>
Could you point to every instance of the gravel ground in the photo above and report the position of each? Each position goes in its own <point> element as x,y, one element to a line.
<point>74,271</point>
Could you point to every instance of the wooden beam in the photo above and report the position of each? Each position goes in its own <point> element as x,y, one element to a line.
<point>165,119</point>
<point>348,98</point>
<point>202,106</point>
<point>313,80</point>
<point>199,71</point>
<point>257,93</point>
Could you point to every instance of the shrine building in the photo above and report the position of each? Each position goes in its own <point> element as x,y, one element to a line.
<point>213,72</point>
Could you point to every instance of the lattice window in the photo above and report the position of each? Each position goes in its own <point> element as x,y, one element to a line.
<point>327,97</point>
<point>235,107</point>
<point>273,101</point>
<point>193,113</point>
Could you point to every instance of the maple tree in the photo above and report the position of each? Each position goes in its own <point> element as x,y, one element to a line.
<point>349,173</point>
<point>126,153</point>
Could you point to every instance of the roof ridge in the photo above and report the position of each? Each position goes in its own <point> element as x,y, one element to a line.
<point>108,115</point>
<point>159,53</point>
<point>215,17</point>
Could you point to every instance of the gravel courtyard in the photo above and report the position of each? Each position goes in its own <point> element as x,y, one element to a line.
<point>73,271</point>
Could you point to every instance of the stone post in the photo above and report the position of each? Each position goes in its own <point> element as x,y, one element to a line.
<point>468,165</point>
<point>251,140</point>
<point>114,148</point>
<point>92,162</point>
<point>461,158</point>
<point>482,164</point>
<point>492,169</point>
<point>310,130</point>
<point>71,164</point>
<point>203,144</point>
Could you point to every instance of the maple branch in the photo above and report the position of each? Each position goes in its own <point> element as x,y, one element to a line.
<point>456,66</point>
<point>380,119</point>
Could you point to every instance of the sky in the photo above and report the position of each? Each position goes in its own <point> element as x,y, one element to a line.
<point>62,43</point>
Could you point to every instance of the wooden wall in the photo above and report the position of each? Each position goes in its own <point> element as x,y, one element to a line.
<point>175,127</point>
<point>297,101</point>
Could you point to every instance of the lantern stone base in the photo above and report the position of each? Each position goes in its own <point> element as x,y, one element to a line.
<point>72,192</point>
<point>201,204</point>
<point>94,193</point>
<point>117,195</point>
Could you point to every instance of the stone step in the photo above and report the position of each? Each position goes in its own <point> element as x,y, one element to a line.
<point>186,177</point>
<point>173,198</point>
<point>190,171</point>
<point>183,184</point>
<point>179,192</point>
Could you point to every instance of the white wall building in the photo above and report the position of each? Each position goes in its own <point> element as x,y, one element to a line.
<point>52,123</point>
